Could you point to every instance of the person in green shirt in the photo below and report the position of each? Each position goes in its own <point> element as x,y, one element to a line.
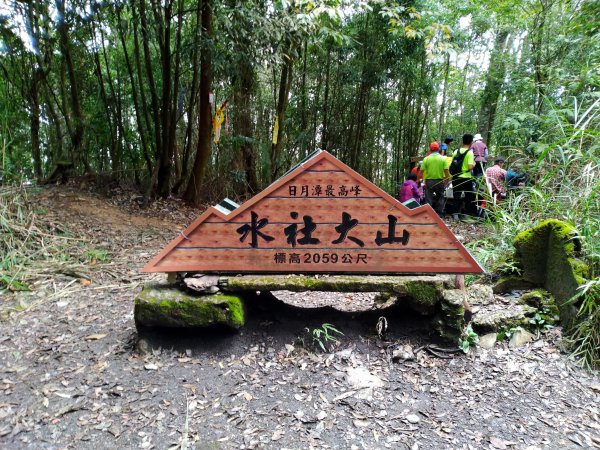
<point>438,177</point>
<point>463,182</point>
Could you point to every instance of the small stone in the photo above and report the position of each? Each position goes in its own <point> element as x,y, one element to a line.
<point>413,418</point>
<point>361,378</point>
<point>151,366</point>
<point>520,338</point>
<point>487,341</point>
<point>403,353</point>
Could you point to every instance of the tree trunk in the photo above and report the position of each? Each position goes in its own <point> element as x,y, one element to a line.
<point>324,131</point>
<point>193,192</point>
<point>166,154</point>
<point>77,136</point>
<point>246,157</point>
<point>136,103</point>
<point>285,83</point>
<point>493,85</point>
<point>443,105</point>
<point>34,98</point>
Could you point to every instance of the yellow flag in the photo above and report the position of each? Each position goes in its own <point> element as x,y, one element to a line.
<point>276,130</point>
<point>217,122</point>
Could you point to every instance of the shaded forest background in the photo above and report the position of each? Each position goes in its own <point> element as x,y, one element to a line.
<point>124,87</point>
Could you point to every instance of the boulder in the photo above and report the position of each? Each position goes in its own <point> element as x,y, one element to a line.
<point>450,320</point>
<point>421,295</point>
<point>163,305</point>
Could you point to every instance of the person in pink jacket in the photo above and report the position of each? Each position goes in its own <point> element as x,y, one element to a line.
<point>410,189</point>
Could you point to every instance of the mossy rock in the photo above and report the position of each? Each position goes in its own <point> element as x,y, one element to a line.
<point>511,283</point>
<point>541,300</point>
<point>505,318</point>
<point>548,254</point>
<point>160,305</point>
<point>423,295</point>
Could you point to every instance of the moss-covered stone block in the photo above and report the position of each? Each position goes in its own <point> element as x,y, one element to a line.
<point>327,283</point>
<point>548,254</point>
<point>161,305</point>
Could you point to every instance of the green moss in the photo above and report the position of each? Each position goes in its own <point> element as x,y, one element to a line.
<point>423,296</point>
<point>236,309</point>
<point>165,306</point>
<point>581,270</point>
<point>337,283</point>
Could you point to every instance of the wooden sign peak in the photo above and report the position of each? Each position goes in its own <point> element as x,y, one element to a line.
<point>321,217</point>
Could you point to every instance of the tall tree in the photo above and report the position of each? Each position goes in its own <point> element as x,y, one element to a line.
<point>193,192</point>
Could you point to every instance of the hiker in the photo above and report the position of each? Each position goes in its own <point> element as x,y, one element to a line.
<point>438,177</point>
<point>496,176</point>
<point>515,178</point>
<point>463,161</point>
<point>480,151</point>
<point>446,145</point>
<point>410,189</point>
<point>417,171</point>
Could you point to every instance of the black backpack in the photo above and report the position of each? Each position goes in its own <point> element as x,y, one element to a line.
<point>457,162</point>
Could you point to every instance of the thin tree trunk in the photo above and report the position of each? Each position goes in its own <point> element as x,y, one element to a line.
<point>35,125</point>
<point>77,136</point>
<point>443,105</point>
<point>150,76</point>
<point>324,131</point>
<point>285,83</point>
<point>493,85</point>
<point>193,192</point>
<point>166,154</point>
<point>136,104</point>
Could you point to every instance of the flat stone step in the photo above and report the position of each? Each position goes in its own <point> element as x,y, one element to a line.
<point>332,283</point>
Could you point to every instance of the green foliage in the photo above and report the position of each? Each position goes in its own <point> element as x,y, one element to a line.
<point>506,333</point>
<point>541,321</point>
<point>322,338</point>
<point>94,255</point>
<point>468,340</point>
<point>585,336</point>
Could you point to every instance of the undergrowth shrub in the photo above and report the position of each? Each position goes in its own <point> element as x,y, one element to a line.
<point>29,247</point>
<point>564,165</point>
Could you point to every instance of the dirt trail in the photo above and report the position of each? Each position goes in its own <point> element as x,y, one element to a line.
<point>71,377</point>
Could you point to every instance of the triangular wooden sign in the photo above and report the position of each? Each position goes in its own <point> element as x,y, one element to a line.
<point>321,217</point>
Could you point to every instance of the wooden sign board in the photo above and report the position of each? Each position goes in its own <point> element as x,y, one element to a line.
<point>321,217</point>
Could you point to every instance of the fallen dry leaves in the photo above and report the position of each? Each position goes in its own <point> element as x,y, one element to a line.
<point>70,374</point>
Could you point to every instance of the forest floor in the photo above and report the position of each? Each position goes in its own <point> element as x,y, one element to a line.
<point>73,375</point>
